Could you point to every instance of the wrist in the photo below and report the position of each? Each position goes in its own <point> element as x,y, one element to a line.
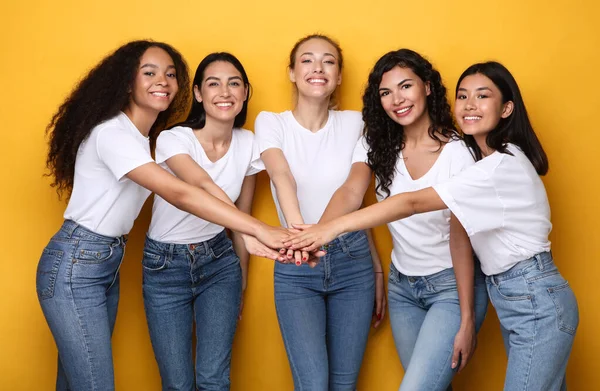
<point>467,319</point>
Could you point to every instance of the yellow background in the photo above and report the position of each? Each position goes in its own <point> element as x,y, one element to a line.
<point>550,46</point>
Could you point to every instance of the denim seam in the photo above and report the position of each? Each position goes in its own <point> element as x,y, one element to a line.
<point>117,272</point>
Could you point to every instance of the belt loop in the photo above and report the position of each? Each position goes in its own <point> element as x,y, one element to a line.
<point>540,261</point>
<point>494,281</point>
<point>206,247</point>
<point>70,227</point>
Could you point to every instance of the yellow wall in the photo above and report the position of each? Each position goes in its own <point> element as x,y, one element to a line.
<point>550,46</point>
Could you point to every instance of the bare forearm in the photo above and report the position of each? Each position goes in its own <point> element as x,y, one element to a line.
<point>374,254</point>
<point>342,202</point>
<point>240,249</point>
<point>285,186</point>
<point>464,270</point>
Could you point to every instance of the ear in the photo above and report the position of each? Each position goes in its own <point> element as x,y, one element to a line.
<point>246,93</point>
<point>339,80</point>
<point>197,94</point>
<point>292,76</point>
<point>507,109</point>
<point>427,88</point>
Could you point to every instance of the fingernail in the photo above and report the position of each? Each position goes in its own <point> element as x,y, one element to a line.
<point>378,316</point>
<point>282,251</point>
<point>304,258</point>
<point>453,365</point>
<point>298,263</point>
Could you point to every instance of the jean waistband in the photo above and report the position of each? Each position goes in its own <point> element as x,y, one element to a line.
<point>199,247</point>
<point>344,241</point>
<point>73,229</point>
<point>542,261</point>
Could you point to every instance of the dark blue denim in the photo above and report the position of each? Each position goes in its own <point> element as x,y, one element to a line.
<point>184,284</point>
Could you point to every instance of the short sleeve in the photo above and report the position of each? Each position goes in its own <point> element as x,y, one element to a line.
<point>268,130</point>
<point>461,157</point>
<point>472,197</point>
<point>169,144</point>
<point>256,164</point>
<point>120,151</point>
<point>360,151</point>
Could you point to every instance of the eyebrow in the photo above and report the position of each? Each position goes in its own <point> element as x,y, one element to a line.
<point>312,54</point>
<point>216,78</point>
<point>402,82</point>
<point>155,66</point>
<point>477,89</point>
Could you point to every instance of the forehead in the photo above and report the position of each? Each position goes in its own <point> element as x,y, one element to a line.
<point>223,68</point>
<point>477,80</point>
<point>156,55</point>
<point>396,75</point>
<point>317,45</point>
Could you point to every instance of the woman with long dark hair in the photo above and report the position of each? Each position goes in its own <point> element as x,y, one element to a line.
<point>502,204</point>
<point>436,296</point>
<point>99,155</point>
<point>324,312</point>
<point>192,272</point>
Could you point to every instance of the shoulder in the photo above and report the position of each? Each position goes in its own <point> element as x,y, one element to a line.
<point>118,127</point>
<point>269,116</point>
<point>180,133</point>
<point>457,147</point>
<point>242,134</point>
<point>348,116</point>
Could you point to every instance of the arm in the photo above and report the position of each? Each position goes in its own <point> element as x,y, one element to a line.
<point>393,208</point>
<point>200,203</point>
<point>379,310</point>
<point>244,203</point>
<point>348,197</point>
<point>462,261</point>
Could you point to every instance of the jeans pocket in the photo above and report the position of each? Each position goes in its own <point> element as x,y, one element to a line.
<point>444,284</point>
<point>153,262</point>
<point>90,252</point>
<point>47,272</point>
<point>359,249</point>
<point>221,251</point>
<point>514,289</point>
<point>567,311</point>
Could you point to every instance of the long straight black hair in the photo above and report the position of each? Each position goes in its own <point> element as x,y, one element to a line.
<point>516,128</point>
<point>196,119</point>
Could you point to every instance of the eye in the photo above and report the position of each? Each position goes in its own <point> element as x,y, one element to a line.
<point>461,97</point>
<point>406,86</point>
<point>148,73</point>
<point>213,84</point>
<point>384,93</point>
<point>171,75</point>
<point>306,61</point>
<point>481,96</point>
<point>331,62</point>
<point>235,84</point>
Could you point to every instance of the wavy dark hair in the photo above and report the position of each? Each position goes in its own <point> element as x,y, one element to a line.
<point>516,128</point>
<point>334,99</point>
<point>99,96</point>
<point>384,136</point>
<point>196,118</point>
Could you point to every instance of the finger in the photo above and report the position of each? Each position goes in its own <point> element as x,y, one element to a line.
<point>312,263</point>
<point>302,226</point>
<point>298,258</point>
<point>304,256</point>
<point>271,254</point>
<point>290,254</point>
<point>463,361</point>
<point>282,250</point>
<point>455,357</point>
<point>318,253</point>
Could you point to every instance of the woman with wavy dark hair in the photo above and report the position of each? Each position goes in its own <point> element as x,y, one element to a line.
<point>192,270</point>
<point>100,156</point>
<point>324,312</point>
<point>436,296</point>
<point>502,204</point>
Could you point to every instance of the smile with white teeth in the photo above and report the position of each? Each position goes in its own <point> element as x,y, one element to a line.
<point>472,118</point>
<point>403,110</point>
<point>224,104</point>
<point>161,94</point>
<point>317,81</point>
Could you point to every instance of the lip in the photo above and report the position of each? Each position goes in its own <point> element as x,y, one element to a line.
<point>317,81</point>
<point>160,94</point>
<point>403,111</point>
<point>471,119</point>
<point>224,105</point>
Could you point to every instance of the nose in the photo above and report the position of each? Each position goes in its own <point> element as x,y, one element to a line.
<point>398,98</point>
<point>161,79</point>
<point>470,104</point>
<point>318,68</point>
<point>225,90</point>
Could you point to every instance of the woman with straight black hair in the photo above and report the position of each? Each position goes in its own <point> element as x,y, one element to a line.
<point>502,204</point>
<point>99,155</point>
<point>192,272</point>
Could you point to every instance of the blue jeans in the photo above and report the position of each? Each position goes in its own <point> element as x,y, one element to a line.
<point>538,315</point>
<point>78,288</point>
<point>325,314</point>
<point>184,284</point>
<point>425,317</point>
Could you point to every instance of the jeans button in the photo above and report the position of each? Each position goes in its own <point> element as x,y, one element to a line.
<point>411,279</point>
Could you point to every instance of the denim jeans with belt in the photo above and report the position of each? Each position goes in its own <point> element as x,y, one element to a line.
<point>78,289</point>
<point>538,316</point>
<point>325,313</point>
<point>184,284</point>
<point>425,317</point>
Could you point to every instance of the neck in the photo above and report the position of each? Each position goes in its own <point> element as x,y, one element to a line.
<point>481,140</point>
<point>418,132</point>
<point>142,119</point>
<point>215,132</point>
<point>312,114</point>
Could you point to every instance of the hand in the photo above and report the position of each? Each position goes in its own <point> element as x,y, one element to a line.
<point>465,342</point>
<point>312,237</point>
<point>379,307</point>
<point>272,237</point>
<point>255,247</point>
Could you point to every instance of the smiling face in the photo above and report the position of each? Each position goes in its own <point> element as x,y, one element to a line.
<point>155,84</point>
<point>403,96</point>
<point>479,106</point>
<point>316,70</point>
<point>222,91</point>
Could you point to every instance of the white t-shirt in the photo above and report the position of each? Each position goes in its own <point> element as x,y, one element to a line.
<point>104,200</point>
<point>502,203</point>
<point>172,225</point>
<point>422,242</point>
<point>320,162</point>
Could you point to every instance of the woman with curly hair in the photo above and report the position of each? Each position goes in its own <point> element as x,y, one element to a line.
<point>436,295</point>
<point>324,312</point>
<point>192,270</point>
<point>99,155</point>
<point>502,204</point>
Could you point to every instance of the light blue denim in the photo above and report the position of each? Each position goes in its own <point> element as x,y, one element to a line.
<point>325,314</point>
<point>539,316</point>
<point>187,284</point>
<point>425,317</point>
<point>78,288</point>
